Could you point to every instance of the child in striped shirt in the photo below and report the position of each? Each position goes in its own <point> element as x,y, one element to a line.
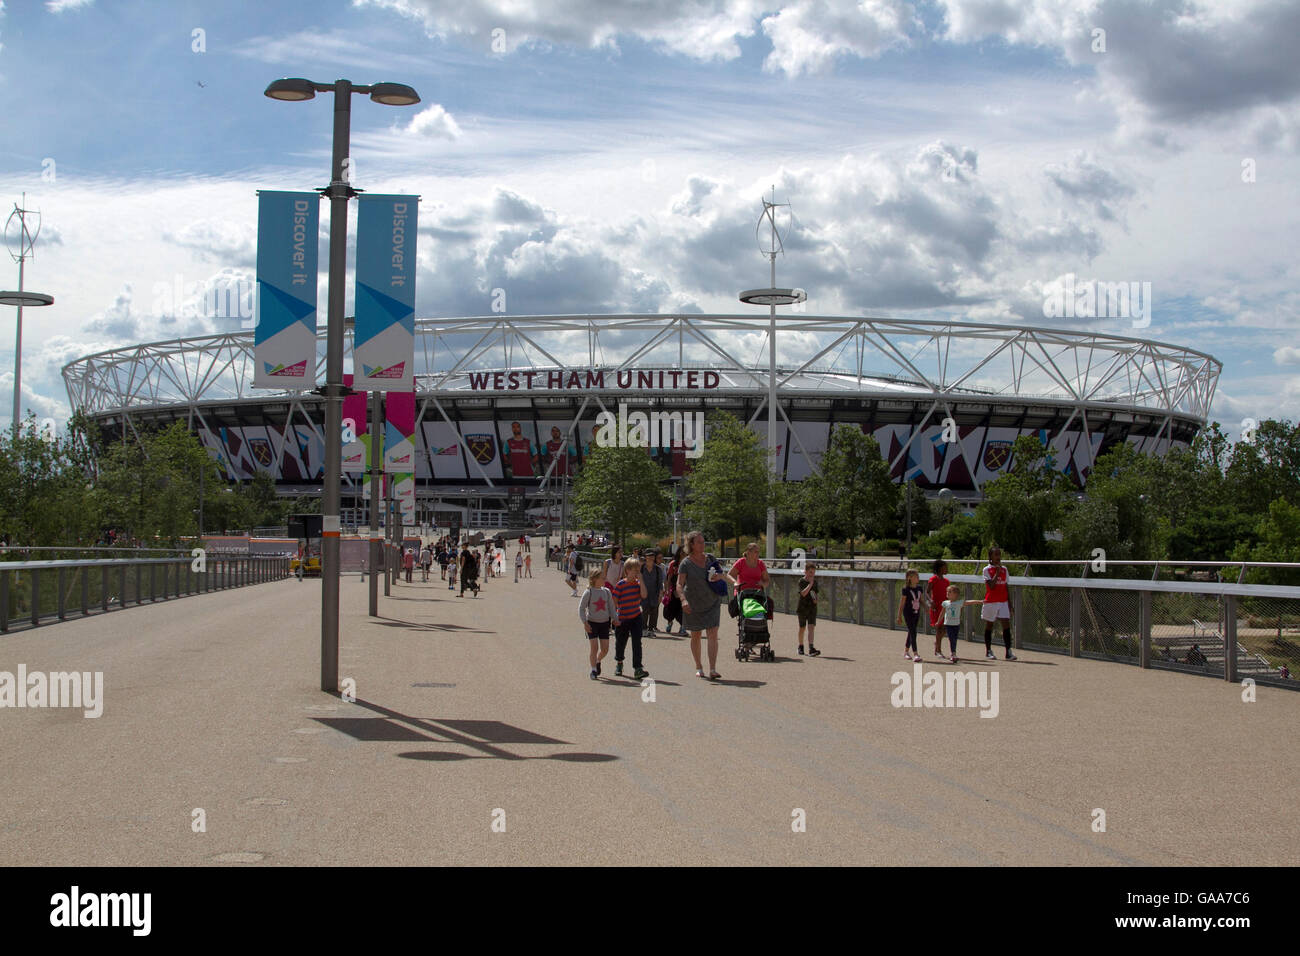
<point>629,592</point>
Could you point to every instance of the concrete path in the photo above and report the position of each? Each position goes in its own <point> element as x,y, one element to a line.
<point>472,711</point>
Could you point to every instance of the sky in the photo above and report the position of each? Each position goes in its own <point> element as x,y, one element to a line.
<point>949,159</point>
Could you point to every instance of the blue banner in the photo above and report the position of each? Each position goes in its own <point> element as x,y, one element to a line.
<point>284,342</point>
<point>383,357</point>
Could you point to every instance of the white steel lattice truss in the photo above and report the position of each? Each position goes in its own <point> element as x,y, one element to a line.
<point>823,357</point>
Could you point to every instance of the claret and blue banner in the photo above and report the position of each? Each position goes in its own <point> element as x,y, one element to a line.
<point>383,353</point>
<point>284,341</point>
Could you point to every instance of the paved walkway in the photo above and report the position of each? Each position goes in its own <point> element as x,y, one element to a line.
<point>470,706</point>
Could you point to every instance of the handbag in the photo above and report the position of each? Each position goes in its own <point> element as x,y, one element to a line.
<point>719,587</point>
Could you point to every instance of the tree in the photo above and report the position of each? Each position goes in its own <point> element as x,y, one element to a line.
<point>730,486</point>
<point>1027,501</point>
<point>45,488</point>
<point>852,494</point>
<point>1278,539</point>
<point>921,516</point>
<point>1267,468</point>
<point>621,490</point>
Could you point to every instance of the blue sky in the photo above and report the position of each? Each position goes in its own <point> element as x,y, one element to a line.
<point>953,158</point>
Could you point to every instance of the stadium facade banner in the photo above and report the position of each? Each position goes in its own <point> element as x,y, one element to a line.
<point>404,495</point>
<point>356,438</point>
<point>399,433</point>
<point>284,339</point>
<point>383,354</point>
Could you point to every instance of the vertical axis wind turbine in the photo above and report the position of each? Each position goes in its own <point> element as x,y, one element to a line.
<point>771,297</point>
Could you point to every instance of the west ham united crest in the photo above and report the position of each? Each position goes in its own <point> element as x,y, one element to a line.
<point>261,449</point>
<point>996,454</point>
<point>482,447</point>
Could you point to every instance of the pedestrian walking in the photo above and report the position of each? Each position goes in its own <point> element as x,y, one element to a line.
<point>652,573</point>
<point>426,562</point>
<point>672,600</point>
<point>519,565</point>
<point>595,611</point>
<point>408,563</point>
<point>572,565</point>
<point>806,609</point>
<point>937,590</point>
<point>528,565</point>
<point>909,608</point>
<point>997,604</point>
<point>701,603</point>
<point>628,593</point>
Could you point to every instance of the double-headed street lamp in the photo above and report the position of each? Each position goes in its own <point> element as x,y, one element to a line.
<point>339,192</point>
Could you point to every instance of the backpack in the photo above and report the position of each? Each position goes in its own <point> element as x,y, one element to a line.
<point>577,562</point>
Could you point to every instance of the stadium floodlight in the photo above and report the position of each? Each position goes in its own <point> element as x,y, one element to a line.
<point>339,192</point>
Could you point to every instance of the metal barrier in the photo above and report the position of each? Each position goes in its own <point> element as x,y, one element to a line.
<point>36,591</point>
<point>1223,629</point>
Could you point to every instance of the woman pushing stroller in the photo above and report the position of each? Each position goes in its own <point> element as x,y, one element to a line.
<point>749,573</point>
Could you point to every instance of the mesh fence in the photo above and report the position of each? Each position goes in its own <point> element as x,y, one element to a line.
<point>1189,632</point>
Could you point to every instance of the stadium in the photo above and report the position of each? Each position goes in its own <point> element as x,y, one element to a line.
<point>511,402</point>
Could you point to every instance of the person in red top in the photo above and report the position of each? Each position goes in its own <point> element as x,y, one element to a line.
<point>937,591</point>
<point>751,572</point>
<point>629,593</point>
<point>997,604</point>
<point>522,454</point>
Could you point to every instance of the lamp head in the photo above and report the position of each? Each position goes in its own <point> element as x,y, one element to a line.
<point>394,94</point>
<point>292,89</point>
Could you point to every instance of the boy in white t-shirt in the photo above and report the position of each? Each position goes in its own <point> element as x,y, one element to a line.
<point>952,619</point>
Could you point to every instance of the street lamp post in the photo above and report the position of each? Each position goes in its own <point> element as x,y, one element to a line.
<point>339,192</point>
<point>26,244</point>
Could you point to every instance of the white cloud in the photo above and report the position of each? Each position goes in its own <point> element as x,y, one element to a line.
<point>60,6</point>
<point>434,122</point>
<point>809,35</point>
<point>1164,65</point>
<point>806,35</point>
<point>1287,355</point>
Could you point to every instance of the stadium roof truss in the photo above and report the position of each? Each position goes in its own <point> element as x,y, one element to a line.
<point>942,363</point>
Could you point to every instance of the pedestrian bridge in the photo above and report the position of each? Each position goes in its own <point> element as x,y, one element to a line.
<point>473,714</point>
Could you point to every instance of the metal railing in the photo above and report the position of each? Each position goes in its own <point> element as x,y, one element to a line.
<point>36,592</point>
<point>1224,629</point>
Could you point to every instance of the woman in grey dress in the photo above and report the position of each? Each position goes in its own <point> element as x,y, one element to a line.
<point>701,605</point>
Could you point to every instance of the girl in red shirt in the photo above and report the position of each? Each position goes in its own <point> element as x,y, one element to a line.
<point>937,590</point>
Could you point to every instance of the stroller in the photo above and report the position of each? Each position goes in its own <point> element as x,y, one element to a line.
<point>754,636</point>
